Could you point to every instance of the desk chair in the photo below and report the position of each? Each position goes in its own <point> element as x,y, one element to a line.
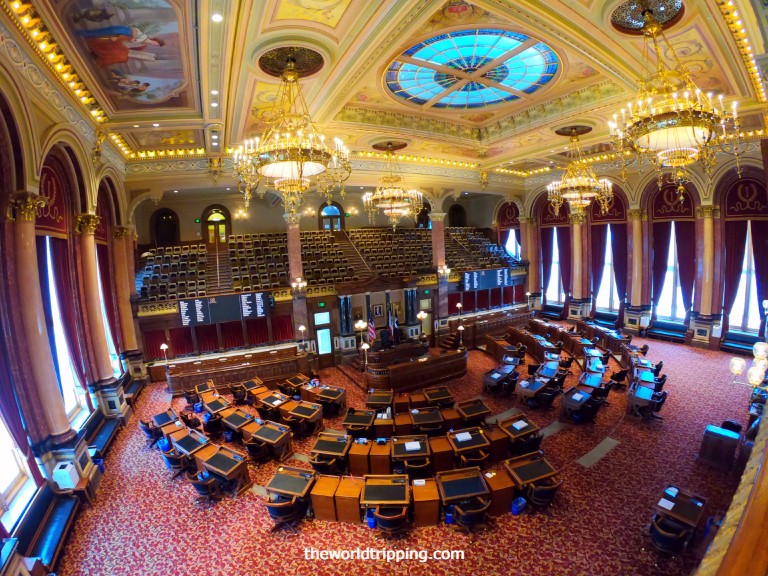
<point>190,420</point>
<point>527,445</point>
<point>650,411</point>
<point>418,467</point>
<point>298,425</point>
<point>658,383</point>
<point>600,394</point>
<point>327,465</point>
<point>566,364</point>
<point>266,413</point>
<point>258,452</point>
<point>731,425</point>
<point>179,463</point>
<point>558,382</point>
<point>470,515</point>
<point>213,428</point>
<point>644,349</point>
<point>152,433</point>
<point>543,399</point>
<point>391,522</point>
<point>532,369</point>
<point>239,395</point>
<point>509,384</point>
<point>358,430</point>
<point>430,430</point>
<point>207,490</point>
<point>619,378</point>
<point>542,492</point>
<point>286,513</point>
<point>668,536</point>
<point>330,407</point>
<point>474,458</point>
<point>657,368</point>
<point>587,412</point>
<point>605,358</point>
<point>191,397</point>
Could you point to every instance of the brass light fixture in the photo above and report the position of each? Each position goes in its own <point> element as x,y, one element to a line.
<point>392,196</point>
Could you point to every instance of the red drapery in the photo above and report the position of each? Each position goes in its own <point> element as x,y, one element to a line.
<point>760,251</point>
<point>509,295</point>
<point>232,335</point>
<point>619,256</point>
<point>735,240</point>
<point>483,299</point>
<point>110,305</point>
<point>453,299</point>
<point>469,301</point>
<point>282,328</point>
<point>547,242</point>
<point>12,417</point>
<point>152,341</point>
<point>599,234</point>
<point>685,240</point>
<point>495,297</point>
<point>258,331</point>
<point>207,338</point>
<point>661,233</point>
<point>564,250</point>
<point>519,294</point>
<point>181,341</point>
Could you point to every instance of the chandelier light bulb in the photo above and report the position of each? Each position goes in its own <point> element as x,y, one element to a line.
<point>737,366</point>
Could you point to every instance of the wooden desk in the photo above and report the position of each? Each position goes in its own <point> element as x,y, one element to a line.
<point>334,445</point>
<point>399,451</point>
<point>165,417</point>
<point>529,468</point>
<point>426,416</point>
<point>171,427</point>
<point>249,430</point>
<point>499,442</point>
<point>438,396</point>
<point>548,369</point>
<point>403,423</point>
<point>595,365</point>
<point>234,418</point>
<point>572,400</point>
<point>685,507</point>
<point>308,412</point>
<point>257,392</point>
<point>216,406</point>
<point>451,417</point>
<point>473,411</point>
<point>228,464</point>
<point>333,394</point>
<point>322,495</point>
<point>347,499</point>
<point>379,399</point>
<point>358,458</point>
<point>290,481</point>
<point>205,387</point>
<point>359,418</point>
<point>530,388</point>
<point>380,457</point>
<point>426,503</point>
<point>272,400</point>
<point>188,441</point>
<point>456,485</point>
<point>386,490</point>
<point>519,432</point>
<point>477,440</point>
<point>645,377</point>
<point>502,490</point>
<point>442,453</point>
<point>278,436</point>
<point>591,379</point>
<point>252,384</point>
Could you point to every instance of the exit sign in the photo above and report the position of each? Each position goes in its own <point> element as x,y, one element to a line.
<point>321,304</point>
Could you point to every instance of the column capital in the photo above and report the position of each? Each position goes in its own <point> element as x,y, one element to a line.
<point>577,217</point>
<point>292,218</point>
<point>437,216</point>
<point>120,232</point>
<point>24,206</point>
<point>637,214</point>
<point>524,219</point>
<point>708,212</point>
<point>87,223</point>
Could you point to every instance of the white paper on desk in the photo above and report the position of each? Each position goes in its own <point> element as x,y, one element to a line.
<point>276,402</point>
<point>519,425</point>
<point>524,384</point>
<point>666,504</point>
<point>420,482</point>
<point>411,446</point>
<point>578,396</point>
<point>463,436</point>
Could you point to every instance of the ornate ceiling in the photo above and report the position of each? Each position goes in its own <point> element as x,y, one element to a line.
<point>484,84</point>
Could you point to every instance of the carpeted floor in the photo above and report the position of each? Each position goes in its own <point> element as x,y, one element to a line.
<point>143,523</point>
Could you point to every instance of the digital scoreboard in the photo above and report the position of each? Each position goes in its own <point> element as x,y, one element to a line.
<point>226,308</point>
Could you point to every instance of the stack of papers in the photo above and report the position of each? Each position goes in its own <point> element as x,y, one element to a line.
<point>666,504</point>
<point>578,396</point>
<point>411,446</point>
<point>519,425</point>
<point>524,384</point>
<point>463,436</point>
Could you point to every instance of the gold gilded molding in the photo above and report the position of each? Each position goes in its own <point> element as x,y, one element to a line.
<point>158,309</point>
<point>317,291</point>
<point>119,232</point>
<point>437,216</point>
<point>708,212</point>
<point>87,223</point>
<point>577,217</point>
<point>427,280</point>
<point>25,206</point>
<point>282,295</point>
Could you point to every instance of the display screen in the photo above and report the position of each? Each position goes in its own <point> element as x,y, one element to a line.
<point>487,279</point>
<point>220,309</point>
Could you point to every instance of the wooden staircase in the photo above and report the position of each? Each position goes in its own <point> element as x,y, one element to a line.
<point>450,342</point>
<point>350,252</point>
<point>218,271</point>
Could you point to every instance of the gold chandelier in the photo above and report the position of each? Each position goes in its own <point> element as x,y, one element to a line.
<point>392,196</point>
<point>578,185</point>
<point>672,122</point>
<point>290,153</point>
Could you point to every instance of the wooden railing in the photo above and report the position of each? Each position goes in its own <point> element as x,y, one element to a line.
<point>739,549</point>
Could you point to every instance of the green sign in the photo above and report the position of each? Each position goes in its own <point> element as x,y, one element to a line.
<point>426,291</point>
<point>347,214</point>
<point>321,304</point>
<point>197,220</point>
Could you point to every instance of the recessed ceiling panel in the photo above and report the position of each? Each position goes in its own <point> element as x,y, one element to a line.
<point>473,68</point>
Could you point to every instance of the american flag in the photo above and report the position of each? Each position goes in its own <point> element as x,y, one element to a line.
<point>371,330</point>
<point>390,323</point>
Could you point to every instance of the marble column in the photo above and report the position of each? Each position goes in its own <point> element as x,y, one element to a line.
<point>636,298</point>
<point>577,263</point>
<point>530,247</point>
<point>438,259</point>
<point>130,260</point>
<point>124,277</point>
<point>296,269</point>
<point>707,213</point>
<point>25,206</point>
<point>86,227</point>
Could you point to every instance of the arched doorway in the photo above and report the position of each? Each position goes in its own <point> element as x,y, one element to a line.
<point>457,216</point>
<point>331,217</point>
<point>217,226</point>
<point>165,227</point>
<point>422,218</point>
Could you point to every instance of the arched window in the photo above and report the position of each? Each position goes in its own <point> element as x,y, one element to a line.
<point>608,294</point>
<point>670,305</point>
<point>331,217</point>
<point>745,312</point>
<point>13,473</point>
<point>216,226</point>
<point>165,227</point>
<point>512,245</point>
<point>554,291</point>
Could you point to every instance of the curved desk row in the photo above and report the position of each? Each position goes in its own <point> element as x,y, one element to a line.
<point>419,372</point>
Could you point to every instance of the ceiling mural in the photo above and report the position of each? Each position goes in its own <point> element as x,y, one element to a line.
<point>165,138</point>
<point>133,49</point>
<point>327,12</point>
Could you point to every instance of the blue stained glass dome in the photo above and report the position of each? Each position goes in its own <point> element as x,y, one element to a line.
<point>471,69</point>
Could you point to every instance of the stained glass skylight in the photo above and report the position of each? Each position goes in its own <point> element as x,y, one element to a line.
<point>471,69</point>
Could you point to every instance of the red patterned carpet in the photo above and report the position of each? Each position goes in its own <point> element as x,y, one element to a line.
<point>143,523</point>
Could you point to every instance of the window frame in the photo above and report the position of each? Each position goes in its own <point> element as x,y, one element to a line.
<point>554,274</point>
<point>613,289</point>
<point>7,496</point>
<point>749,277</point>
<point>674,270</point>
